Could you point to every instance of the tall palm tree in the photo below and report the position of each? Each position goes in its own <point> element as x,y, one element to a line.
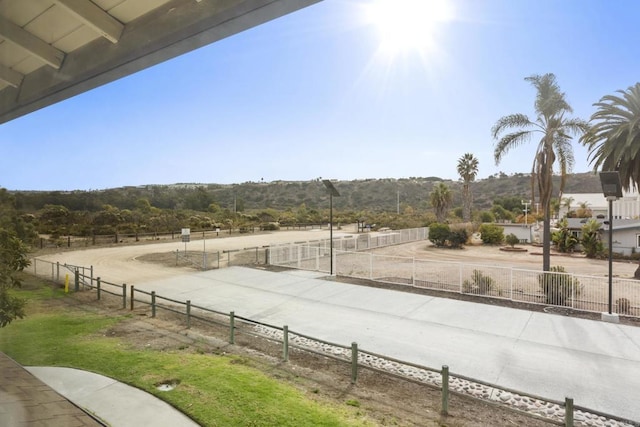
<point>440,201</point>
<point>467,169</point>
<point>555,130</point>
<point>614,137</point>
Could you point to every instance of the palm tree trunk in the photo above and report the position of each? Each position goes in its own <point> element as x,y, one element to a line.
<point>546,239</point>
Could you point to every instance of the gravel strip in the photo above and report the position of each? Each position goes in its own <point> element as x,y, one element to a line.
<point>521,402</point>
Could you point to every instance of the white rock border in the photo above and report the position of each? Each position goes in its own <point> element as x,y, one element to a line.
<point>521,402</point>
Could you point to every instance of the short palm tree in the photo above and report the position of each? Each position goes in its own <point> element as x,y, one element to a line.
<point>614,136</point>
<point>440,201</point>
<point>566,203</point>
<point>555,129</point>
<point>467,169</point>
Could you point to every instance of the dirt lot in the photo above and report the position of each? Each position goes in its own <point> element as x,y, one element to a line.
<point>386,400</point>
<point>128,263</point>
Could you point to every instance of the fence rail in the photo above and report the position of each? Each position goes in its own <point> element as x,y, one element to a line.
<point>551,411</point>
<point>567,290</point>
<point>314,254</point>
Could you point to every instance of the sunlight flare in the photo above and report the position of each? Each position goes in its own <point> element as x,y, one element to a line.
<point>406,26</point>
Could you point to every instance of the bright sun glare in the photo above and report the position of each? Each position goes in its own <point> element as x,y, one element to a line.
<point>408,25</point>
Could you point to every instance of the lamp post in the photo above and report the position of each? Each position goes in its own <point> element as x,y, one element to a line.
<point>332,192</point>
<point>612,190</point>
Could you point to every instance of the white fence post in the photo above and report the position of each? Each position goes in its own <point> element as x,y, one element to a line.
<point>511,283</point>
<point>370,266</point>
<point>413,273</point>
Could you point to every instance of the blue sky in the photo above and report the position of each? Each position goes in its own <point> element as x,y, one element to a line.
<point>318,93</point>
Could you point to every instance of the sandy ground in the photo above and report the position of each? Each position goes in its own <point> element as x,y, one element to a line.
<point>529,260</point>
<point>121,264</point>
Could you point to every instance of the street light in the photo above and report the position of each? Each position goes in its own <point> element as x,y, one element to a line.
<point>612,190</point>
<point>332,192</point>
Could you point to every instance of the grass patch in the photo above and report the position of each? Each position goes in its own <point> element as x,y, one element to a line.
<point>214,390</point>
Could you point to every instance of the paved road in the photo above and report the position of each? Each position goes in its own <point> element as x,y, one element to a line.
<point>596,363</point>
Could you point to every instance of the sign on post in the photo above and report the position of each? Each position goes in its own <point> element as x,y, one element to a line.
<point>186,237</point>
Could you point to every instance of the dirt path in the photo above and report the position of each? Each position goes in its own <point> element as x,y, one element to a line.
<point>121,264</point>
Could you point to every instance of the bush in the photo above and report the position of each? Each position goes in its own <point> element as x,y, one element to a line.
<point>558,286</point>
<point>591,244</point>
<point>486,216</point>
<point>457,238</point>
<point>563,240</point>
<point>512,239</point>
<point>479,284</point>
<point>439,233</point>
<point>270,226</point>
<point>624,306</point>
<point>491,234</point>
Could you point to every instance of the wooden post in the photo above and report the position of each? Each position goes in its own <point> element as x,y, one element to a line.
<point>153,303</point>
<point>131,298</point>
<point>124,295</point>
<point>188,314</point>
<point>354,362</point>
<point>77,280</point>
<point>285,343</point>
<point>445,390</point>
<point>232,327</point>
<point>568,412</point>
<point>98,287</point>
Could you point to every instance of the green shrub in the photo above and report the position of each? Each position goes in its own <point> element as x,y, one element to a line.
<point>591,244</point>
<point>624,305</point>
<point>457,238</point>
<point>439,233</point>
<point>558,286</point>
<point>563,239</point>
<point>270,226</point>
<point>479,284</point>
<point>512,239</point>
<point>491,234</point>
<point>487,216</point>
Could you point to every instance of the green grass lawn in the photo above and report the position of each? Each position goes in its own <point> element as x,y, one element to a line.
<point>214,390</point>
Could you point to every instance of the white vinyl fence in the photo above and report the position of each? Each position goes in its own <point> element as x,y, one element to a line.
<point>314,254</point>
<point>580,292</point>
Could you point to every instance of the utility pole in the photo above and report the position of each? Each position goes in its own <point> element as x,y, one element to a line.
<point>526,209</point>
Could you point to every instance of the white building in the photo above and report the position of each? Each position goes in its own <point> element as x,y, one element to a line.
<point>628,207</point>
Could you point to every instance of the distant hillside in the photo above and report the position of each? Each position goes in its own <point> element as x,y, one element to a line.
<point>367,194</point>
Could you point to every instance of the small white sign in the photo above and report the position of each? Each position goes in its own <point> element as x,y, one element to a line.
<point>186,231</point>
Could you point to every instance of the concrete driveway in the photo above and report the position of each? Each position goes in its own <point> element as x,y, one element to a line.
<point>596,363</point>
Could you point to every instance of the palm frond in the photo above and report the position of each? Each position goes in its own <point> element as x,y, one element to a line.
<point>510,141</point>
<point>509,122</point>
<point>613,138</point>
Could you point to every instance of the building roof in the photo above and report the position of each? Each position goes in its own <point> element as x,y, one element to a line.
<point>618,224</point>
<point>51,50</point>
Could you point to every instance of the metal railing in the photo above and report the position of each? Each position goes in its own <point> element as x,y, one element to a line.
<point>313,254</point>
<point>579,292</point>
